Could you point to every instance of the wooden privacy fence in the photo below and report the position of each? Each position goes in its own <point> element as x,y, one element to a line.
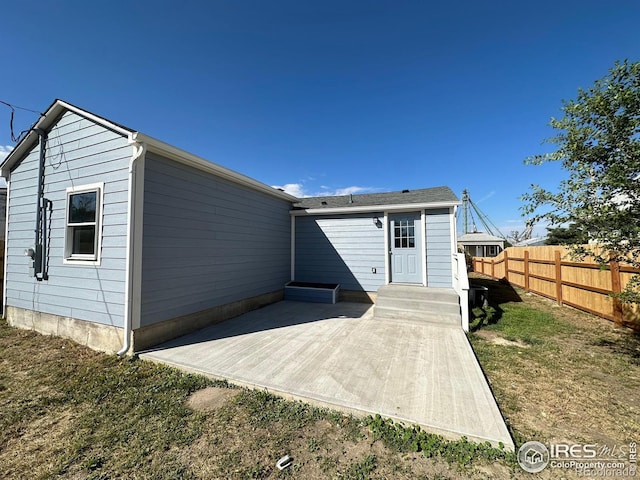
<point>549,271</point>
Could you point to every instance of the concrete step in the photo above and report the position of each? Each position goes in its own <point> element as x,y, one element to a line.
<point>419,304</point>
<point>396,314</point>
<point>418,292</point>
<point>415,303</point>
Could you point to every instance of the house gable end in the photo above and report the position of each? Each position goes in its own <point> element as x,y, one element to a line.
<point>46,122</point>
<point>80,153</point>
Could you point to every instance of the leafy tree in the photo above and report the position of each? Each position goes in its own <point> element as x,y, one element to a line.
<point>598,144</point>
<point>571,235</point>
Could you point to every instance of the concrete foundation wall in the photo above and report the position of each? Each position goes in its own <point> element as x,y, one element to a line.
<point>106,338</point>
<point>151,335</point>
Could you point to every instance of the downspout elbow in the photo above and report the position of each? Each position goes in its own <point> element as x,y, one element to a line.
<point>139,150</point>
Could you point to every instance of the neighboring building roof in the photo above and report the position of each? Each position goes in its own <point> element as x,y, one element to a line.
<point>58,108</point>
<point>479,238</point>
<point>425,197</point>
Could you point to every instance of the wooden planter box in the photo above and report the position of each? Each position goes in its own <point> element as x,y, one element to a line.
<point>312,292</point>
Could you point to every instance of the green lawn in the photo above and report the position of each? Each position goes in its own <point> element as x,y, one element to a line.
<point>561,374</point>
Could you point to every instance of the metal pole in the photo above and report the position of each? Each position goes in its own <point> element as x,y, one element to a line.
<point>39,252</point>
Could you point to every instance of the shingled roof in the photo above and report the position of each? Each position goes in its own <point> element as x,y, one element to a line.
<point>435,195</point>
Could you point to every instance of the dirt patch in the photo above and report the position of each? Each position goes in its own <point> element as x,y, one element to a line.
<point>496,339</point>
<point>233,447</point>
<point>210,398</point>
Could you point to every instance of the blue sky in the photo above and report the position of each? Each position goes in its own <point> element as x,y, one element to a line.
<point>326,97</point>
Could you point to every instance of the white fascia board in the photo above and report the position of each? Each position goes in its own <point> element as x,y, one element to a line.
<point>407,207</point>
<point>94,118</point>
<point>186,158</point>
<point>17,153</point>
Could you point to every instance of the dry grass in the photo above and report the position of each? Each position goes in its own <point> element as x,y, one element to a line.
<point>69,412</point>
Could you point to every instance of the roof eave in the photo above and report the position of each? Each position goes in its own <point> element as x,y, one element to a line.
<point>59,106</point>
<point>400,207</point>
<point>184,157</point>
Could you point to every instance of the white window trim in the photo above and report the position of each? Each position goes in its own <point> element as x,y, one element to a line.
<point>84,259</point>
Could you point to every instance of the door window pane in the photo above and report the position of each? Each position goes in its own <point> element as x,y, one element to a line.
<point>404,234</point>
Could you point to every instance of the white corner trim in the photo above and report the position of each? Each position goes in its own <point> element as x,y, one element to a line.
<point>293,249</point>
<point>423,246</point>
<point>454,240</point>
<point>387,249</point>
<point>453,214</point>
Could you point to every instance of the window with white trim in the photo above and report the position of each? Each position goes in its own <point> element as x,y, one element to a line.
<point>83,223</point>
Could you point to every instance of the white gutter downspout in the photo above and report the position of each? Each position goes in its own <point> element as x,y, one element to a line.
<point>6,248</point>
<point>139,150</point>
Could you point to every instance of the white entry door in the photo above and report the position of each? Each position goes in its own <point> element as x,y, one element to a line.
<point>406,241</point>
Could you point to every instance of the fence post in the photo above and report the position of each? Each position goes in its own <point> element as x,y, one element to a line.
<point>506,265</point>
<point>493,268</point>
<point>616,287</point>
<point>526,270</point>
<point>558,264</point>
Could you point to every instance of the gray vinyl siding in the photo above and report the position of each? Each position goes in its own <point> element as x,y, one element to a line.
<point>79,152</point>
<point>438,236</point>
<point>207,241</point>
<point>340,249</point>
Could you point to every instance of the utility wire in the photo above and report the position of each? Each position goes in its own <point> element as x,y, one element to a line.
<point>20,136</point>
<point>21,108</point>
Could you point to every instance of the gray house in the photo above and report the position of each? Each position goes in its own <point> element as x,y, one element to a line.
<point>120,241</point>
<point>480,244</point>
<point>366,241</point>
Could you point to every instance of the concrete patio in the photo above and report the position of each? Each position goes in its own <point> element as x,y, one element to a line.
<point>341,357</point>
